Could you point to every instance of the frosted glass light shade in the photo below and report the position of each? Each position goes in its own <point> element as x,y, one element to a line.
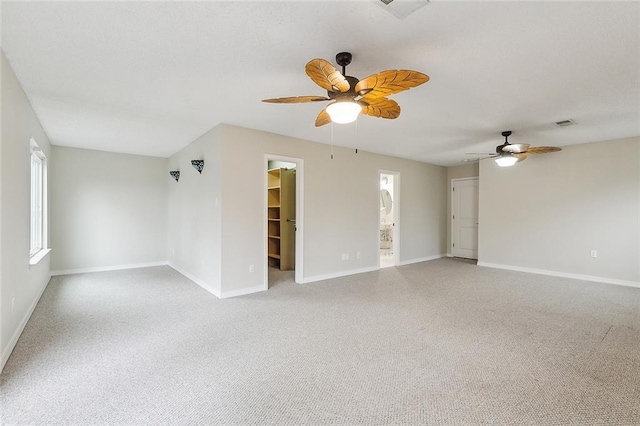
<point>506,160</point>
<point>343,112</point>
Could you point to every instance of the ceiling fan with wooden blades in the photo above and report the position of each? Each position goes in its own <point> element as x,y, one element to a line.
<point>351,96</point>
<point>509,154</point>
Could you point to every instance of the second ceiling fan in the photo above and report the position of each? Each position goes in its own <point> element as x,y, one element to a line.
<point>509,154</point>
<point>351,96</point>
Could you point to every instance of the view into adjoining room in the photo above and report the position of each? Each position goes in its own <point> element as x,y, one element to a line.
<point>281,220</point>
<point>388,215</point>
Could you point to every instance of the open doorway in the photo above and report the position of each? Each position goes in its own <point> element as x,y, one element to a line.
<point>283,233</point>
<point>388,218</point>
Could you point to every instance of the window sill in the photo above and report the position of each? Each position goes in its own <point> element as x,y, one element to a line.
<point>36,258</point>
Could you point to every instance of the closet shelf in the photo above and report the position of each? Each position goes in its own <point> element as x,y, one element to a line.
<point>281,204</point>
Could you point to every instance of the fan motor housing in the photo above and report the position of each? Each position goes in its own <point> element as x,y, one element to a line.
<point>351,93</point>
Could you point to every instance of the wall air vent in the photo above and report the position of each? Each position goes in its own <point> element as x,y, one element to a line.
<point>564,123</point>
<point>401,8</point>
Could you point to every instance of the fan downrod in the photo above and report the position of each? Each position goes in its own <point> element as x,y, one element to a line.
<point>506,135</point>
<point>343,59</point>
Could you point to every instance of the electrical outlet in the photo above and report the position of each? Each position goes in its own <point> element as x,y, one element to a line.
<point>346,256</point>
<point>594,253</point>
<point>252,268</point>
<point>358,255</point>
<point>13,303</point>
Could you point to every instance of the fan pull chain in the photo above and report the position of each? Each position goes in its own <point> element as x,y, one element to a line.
<point>332,140</point>
<point>357,138</point>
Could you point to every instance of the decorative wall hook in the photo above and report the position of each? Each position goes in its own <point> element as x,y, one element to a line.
<point>175,174</point>
<point>198,165</point>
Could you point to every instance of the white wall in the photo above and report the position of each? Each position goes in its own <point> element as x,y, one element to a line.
<point>548,212</point>
<point>107,209</point>
<point>341,207</point>
<point>194,235</point>
<point>465,171</point>
<point>18,281</point>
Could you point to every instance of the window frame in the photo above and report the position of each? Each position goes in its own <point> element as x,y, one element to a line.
<point>37,201</point>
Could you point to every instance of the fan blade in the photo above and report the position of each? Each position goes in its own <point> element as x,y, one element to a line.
<point>542,149</point>
<point>326,76</point>
<point>473,160</point>
<point>296,99</point>
<point>516,147</point>
<point>480,153</point>
<point>520,157</point>
<point>380,107</point>
<point>388,82</point>
<point>323,118</point>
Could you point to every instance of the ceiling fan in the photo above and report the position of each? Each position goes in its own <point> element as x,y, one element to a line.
<point>509,154</point>
<point>351,96</point>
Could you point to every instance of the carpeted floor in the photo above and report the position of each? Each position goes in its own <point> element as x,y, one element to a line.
<point>440,342</point>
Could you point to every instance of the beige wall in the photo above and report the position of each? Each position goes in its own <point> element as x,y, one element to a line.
<point>341,206</point>
<point>107,209</point>
<point>194,218</point>
<point>458,172</point>
<point>551,210</point>
<point>19,282</point>
<point>215,242</point>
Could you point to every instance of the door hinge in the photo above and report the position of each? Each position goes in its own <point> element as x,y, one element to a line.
<point>454,244</point>
<point>454,189</point>
<point>454,216</point>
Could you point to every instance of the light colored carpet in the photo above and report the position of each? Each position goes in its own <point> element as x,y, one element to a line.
<point>440,342</point>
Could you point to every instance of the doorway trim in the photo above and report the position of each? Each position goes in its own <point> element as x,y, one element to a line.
<point>299,262</point>
<point>395,208</point>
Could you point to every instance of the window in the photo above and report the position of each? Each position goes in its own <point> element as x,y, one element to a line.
<point>38,200</point>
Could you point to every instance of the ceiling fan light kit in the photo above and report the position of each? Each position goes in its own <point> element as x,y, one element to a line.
<point>343,112</point>
<point>351,96</point>
<point>506,160</point>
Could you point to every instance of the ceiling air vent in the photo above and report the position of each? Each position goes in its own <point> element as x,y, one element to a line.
<point>401,8</point>
<point>564,123</point>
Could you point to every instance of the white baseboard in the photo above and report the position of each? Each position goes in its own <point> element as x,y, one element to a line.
<point>196,280</point>
<point>14,339</point>
<point>562,274</point>
<point>338,274</point>
<point>421,259</point>
<point>242,292</point>
<point>108,268</point>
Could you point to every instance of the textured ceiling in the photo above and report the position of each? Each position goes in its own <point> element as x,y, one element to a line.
<point>150,77</point>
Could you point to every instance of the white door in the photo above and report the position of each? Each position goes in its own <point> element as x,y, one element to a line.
<point>464,218</point>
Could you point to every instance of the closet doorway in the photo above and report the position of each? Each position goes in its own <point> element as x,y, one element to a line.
<point>388,218</point>
<point>283,224</point>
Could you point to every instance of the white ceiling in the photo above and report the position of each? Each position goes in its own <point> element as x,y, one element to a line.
<point>150,77</point>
